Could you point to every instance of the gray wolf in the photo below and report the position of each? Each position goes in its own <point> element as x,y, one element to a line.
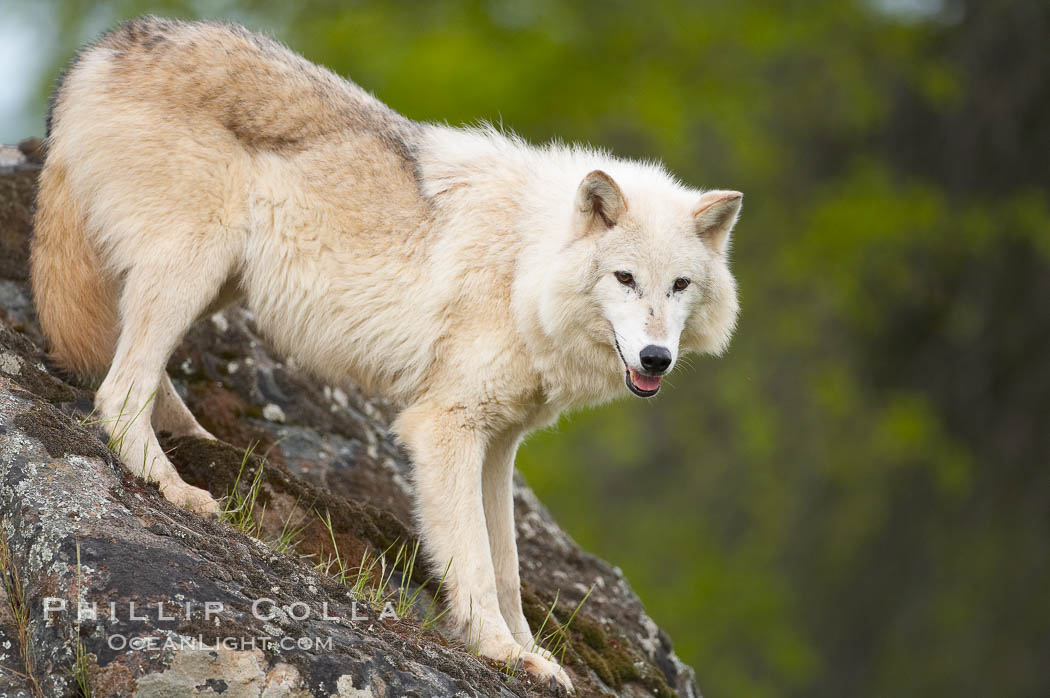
<point>482,284</point>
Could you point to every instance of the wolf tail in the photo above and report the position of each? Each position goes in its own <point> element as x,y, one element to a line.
<point>76,299</point>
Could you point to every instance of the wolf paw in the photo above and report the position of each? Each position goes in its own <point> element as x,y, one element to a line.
<point>193,498</point>
<point>545,671</point>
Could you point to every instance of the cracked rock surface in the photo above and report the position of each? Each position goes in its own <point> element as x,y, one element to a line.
<point>108,583</point>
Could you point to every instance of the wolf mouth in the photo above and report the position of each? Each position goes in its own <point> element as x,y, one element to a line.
<point>637,382</point>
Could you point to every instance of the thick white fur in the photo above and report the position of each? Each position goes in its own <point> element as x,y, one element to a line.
<point>475,288</point>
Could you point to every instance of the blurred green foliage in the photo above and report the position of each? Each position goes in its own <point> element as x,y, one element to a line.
<point>855,500</point>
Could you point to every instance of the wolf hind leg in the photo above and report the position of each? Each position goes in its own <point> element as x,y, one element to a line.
<point>171,414</point>
<point>159,303</point>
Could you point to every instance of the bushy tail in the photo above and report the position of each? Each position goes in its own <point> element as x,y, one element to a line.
<point>76,300</point>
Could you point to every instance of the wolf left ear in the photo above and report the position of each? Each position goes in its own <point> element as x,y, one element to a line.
<point>599,203</point>
<point>715,217</point>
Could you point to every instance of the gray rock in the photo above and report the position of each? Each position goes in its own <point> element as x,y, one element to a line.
<point>79,531</point>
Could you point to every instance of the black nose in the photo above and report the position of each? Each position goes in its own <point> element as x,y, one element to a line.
<point>655,359</point>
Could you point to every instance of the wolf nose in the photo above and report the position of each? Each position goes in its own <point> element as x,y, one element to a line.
<point>655,359</point>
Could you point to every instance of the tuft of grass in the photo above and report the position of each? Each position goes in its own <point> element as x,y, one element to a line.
<point>89,420</point>
<point>379,593</point>
<point>333,565</point>
<point>287,541</point>
<point>547,618</point>
<point>364,585</point>
<point>372,580</point>
<point>405,600</point>
<point>556,641</point>
<point>552,643</point>
<point>430,619</point>
<point>473,642</point>
<point>510,668</point>
<point>79,668</point>
<point>363,580</point>
<point>239,509</point>
<point>18,603</point>
<point>362,576</point>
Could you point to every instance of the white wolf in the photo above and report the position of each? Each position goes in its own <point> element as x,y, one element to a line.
<point>482,284</point>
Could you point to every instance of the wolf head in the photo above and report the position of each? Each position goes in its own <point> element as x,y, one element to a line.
<point>647,271</point>
<point>618,269</point>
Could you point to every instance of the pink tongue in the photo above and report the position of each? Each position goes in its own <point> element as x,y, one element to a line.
<point>645,383</point>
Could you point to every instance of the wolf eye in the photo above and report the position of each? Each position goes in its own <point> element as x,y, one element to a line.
<point>624,278</point>
<point>680,284</point>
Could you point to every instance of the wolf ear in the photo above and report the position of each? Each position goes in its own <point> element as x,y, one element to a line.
<point>599,203</point>
<point>715,217</point>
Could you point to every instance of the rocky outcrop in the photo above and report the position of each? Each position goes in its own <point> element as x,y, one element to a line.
<point>111,589</point>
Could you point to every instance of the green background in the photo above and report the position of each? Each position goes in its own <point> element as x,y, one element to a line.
<point>855,500</point>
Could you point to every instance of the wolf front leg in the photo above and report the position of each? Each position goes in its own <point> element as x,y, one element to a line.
<point>498,495</point>
<point>448,451</point>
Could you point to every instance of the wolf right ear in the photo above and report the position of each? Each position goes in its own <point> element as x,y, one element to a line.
<point>599,203</point>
